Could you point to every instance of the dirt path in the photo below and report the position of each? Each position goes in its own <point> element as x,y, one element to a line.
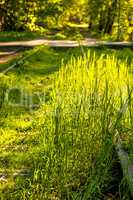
<point>63,43</point>
<point>10,50</point>
<point>53,43</point>
<point>7,56</point>
<point>8,47</point>
<point>8,53</point>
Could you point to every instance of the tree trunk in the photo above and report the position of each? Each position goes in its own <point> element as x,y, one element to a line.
<point>119,16</point>
<point>102,21</point>
<point>2,18</point>
<point>110,17</point>
<point>90,23</point>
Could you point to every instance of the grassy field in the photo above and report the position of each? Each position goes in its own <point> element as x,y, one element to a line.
<point>60,112</point>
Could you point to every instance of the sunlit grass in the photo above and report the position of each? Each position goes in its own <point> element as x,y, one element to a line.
<point>67,142</point>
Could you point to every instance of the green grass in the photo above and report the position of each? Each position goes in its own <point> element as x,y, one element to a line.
<point>70,32</point>
<point>65,141</point>
<point>18,36</point>
<point>50,34</point>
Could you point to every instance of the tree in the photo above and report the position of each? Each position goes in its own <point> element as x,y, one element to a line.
<point>103,16</point>
<point>111,14</point>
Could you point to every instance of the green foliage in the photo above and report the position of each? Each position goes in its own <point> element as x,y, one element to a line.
<point>112,17</point>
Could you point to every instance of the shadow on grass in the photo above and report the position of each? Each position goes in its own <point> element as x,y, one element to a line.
<point>46,62</point>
